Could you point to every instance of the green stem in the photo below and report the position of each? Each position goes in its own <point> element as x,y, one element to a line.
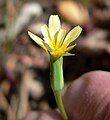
<point>57,82</point>
<point>56,73</point>
<point>60,105</point>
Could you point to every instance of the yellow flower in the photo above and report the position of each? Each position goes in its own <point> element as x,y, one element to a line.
<point>55,41</point>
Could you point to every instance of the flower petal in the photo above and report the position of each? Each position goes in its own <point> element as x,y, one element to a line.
<point>70,47</point>
<point>72,35</point>
<point>48,47</point>
<point>60,37</point>
<point>46,35</point>
<point>38,40</point>
<point>54,25</point>
<point>68,54</point>
<point>55,40</point>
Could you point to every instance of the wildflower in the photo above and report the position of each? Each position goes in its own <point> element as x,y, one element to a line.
<point>55,40</point>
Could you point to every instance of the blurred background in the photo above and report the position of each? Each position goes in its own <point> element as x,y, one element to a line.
<point>24,66</point>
